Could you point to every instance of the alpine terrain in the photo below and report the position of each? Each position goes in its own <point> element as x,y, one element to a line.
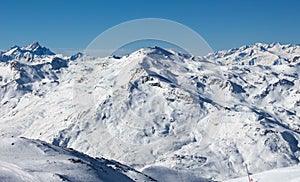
<point>163,115</point>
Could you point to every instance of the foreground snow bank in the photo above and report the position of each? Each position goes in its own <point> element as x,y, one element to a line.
<point>31,160</point>
<point>288,174</point>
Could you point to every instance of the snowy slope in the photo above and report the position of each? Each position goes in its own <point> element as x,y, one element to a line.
<point>288,174</point>
<point>159,111</point>
<point>23,159</point>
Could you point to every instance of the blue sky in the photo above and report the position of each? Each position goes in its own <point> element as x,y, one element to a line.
<point>72,25</point>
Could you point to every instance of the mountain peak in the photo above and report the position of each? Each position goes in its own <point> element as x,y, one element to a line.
<point>158,51</point>
<point>37,49</point>
<point>151,51</point>
<point>33,46</point>
<point>26,53</point>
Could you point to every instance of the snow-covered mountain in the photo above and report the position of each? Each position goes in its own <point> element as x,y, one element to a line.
<point>168,115</point>
<point>257,54</point>
<point>31,53</point>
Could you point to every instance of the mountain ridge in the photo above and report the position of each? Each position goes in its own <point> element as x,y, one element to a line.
<point>235,56</point>
<point>157,110</point>
<point>25,159</point>
<point>257,54</point>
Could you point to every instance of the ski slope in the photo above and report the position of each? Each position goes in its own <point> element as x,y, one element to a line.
<point>288,174</point>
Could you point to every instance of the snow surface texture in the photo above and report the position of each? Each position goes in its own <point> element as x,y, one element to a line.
<point>169,115</point>
<point>31,160</point>
<point>288,174</point>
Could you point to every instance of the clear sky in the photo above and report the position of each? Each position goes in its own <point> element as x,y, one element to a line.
<point>62,25</point>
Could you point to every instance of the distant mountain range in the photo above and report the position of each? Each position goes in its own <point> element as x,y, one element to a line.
<point>257,54</point>
<point>171,116</point>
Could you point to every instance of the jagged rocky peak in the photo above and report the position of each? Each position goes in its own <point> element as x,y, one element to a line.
<point>37,49</point>
<point>32,46</point>
<point>33,53</point>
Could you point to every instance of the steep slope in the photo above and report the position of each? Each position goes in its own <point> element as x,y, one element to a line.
<point>160,111</point>
<point>23,159</point>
